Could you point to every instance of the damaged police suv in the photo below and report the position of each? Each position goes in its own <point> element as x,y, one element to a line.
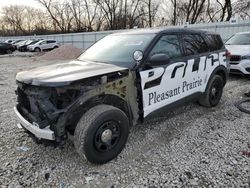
<point>118,82</point>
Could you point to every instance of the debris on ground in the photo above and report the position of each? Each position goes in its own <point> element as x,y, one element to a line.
<point>23,148</point>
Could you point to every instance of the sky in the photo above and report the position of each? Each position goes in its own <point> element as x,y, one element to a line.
<point>32,3</point>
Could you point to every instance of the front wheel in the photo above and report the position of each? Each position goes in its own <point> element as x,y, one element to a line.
<point>213,92</point>
<point>101,133</point>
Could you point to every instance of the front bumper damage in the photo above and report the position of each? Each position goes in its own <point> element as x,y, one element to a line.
<point>38,110</point>
<point>44,133</point>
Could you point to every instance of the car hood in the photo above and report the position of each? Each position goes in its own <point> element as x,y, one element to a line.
<point>65,73</point>
<point>238,49</point>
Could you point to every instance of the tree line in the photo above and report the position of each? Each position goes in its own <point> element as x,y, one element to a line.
<point>64,16</point>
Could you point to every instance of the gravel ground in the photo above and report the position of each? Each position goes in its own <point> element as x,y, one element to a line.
<point>191,146</point>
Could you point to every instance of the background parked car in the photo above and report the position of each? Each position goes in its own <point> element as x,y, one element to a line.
<point>239,47</point>
<point>20,43</point>
<point>43,45</point>
<point>15,43</point>
<point>24,46</point>
<point>6,48</point>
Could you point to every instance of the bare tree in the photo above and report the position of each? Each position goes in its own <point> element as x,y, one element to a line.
<point>152,8</point>
<point>62,16</point>
<point>226,9</point>
<point>174,20</point>
<point>242,8</point>
<point>21,20</point>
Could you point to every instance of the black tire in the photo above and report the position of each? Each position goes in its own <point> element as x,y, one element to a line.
<point>38,49</point>
<point>94,125</point>
<point>213,92</point>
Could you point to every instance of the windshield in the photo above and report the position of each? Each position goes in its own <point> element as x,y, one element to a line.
<point>239,39</point>
<point>117,49</point>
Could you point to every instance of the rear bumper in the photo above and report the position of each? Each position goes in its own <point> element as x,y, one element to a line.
<point>45,133</point>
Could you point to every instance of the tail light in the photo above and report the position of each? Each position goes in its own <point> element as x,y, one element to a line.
<point>227,54</point>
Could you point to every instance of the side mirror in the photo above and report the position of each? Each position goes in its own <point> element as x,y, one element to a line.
<point>159,59</point>
<point>138,55</point>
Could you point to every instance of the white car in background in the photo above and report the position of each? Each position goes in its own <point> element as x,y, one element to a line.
<point>43,45</point>
<point>239,47</point>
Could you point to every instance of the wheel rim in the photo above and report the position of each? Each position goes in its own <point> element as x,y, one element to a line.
<point>37,50</point>
<point>215,92</point>
<point>107,136</point>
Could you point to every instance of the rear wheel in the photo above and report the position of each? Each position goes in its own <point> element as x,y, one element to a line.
<point>38,49</point>
<point>213,92</point>
<point>101,133</point>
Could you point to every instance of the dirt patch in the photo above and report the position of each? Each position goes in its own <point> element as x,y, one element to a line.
<point>62,53</point>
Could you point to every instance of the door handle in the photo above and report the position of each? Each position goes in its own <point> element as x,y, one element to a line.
<point>151,73</point>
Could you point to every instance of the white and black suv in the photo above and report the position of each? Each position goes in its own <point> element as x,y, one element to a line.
<point>118,82</point>
<point>43,45</point>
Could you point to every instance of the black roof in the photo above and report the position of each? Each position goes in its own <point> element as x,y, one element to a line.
<point>160,30</point>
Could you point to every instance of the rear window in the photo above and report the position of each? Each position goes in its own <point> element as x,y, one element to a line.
<point>214,42</point>
<point>194,44</point>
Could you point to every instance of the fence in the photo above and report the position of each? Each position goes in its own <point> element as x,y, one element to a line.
<point>86,39</point>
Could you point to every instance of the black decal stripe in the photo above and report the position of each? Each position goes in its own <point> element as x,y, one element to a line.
<point>185,68</point>
<point>175,69</point>
<point>213,59</point>
<point>154,82</point>
<point>196,64</point>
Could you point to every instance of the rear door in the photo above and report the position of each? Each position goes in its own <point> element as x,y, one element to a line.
<point>51,44</point>
<point>201,59</point>
<point>43,45</point>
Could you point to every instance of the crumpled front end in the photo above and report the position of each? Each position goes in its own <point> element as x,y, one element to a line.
<point>39,108</point>
<point>53,112</point>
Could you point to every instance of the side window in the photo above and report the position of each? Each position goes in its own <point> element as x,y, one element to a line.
<point>169,45</point>
<point>214,42</point>
<point>44,42</point>
<point>194,44</point>
<point>51,41</point>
